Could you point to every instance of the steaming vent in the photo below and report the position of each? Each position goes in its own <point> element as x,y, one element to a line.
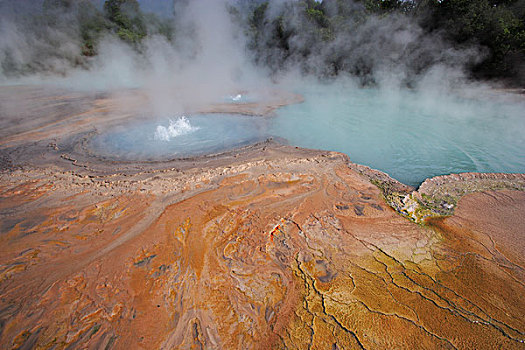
<point>183,136</point>
<point>176,128</point>
<point>240,98</point>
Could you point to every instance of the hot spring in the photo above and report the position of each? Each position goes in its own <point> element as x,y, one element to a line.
<point>409,135</point>
<point>180,136</point>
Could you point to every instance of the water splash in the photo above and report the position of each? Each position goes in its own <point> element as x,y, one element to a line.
<point>236,98</point>
<point>176,128</point>
<point>145,140</point>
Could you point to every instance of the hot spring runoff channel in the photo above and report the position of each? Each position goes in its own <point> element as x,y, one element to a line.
<point>411,136</point>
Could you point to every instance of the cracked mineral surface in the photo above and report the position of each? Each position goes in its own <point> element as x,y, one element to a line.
<point>264,247</point>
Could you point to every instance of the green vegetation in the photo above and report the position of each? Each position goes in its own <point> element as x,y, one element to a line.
<point>65,33</point>
<point>360,38</point>
<point>332,30</point>
<point>498,25</point>
<point>92,26</point>
<point>126,19</point>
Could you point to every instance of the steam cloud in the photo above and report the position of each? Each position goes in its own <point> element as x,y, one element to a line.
<point>211,55</point>
<point>204,63</point>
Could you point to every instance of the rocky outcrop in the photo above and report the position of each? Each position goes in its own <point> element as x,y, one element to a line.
<point>438,196</point>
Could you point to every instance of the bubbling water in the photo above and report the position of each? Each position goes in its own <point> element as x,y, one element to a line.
<point>176,128</point>
<point>408,134</point>
<point>240,98</point>
<point>151,139</point>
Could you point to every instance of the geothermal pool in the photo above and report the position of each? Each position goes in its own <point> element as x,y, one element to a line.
<point>411,136</point>
<point>180,136</point>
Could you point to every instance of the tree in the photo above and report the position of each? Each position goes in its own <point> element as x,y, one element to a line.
<point>92,25</point>
<point>127,19</point>
<point>57,5</point>
<point>498,25</point>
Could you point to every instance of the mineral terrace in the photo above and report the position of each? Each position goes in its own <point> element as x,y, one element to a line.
<point>263,247</point>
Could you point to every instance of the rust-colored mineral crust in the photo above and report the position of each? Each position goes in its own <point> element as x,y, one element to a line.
<point>263,247</point>
<point>281,251</point>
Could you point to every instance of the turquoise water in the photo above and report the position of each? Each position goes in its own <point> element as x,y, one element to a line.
<point>179,136</point>
<point>411,136</point>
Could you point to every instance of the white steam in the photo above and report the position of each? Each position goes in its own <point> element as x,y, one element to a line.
<point>209,59</point>
<point>205,61</point>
